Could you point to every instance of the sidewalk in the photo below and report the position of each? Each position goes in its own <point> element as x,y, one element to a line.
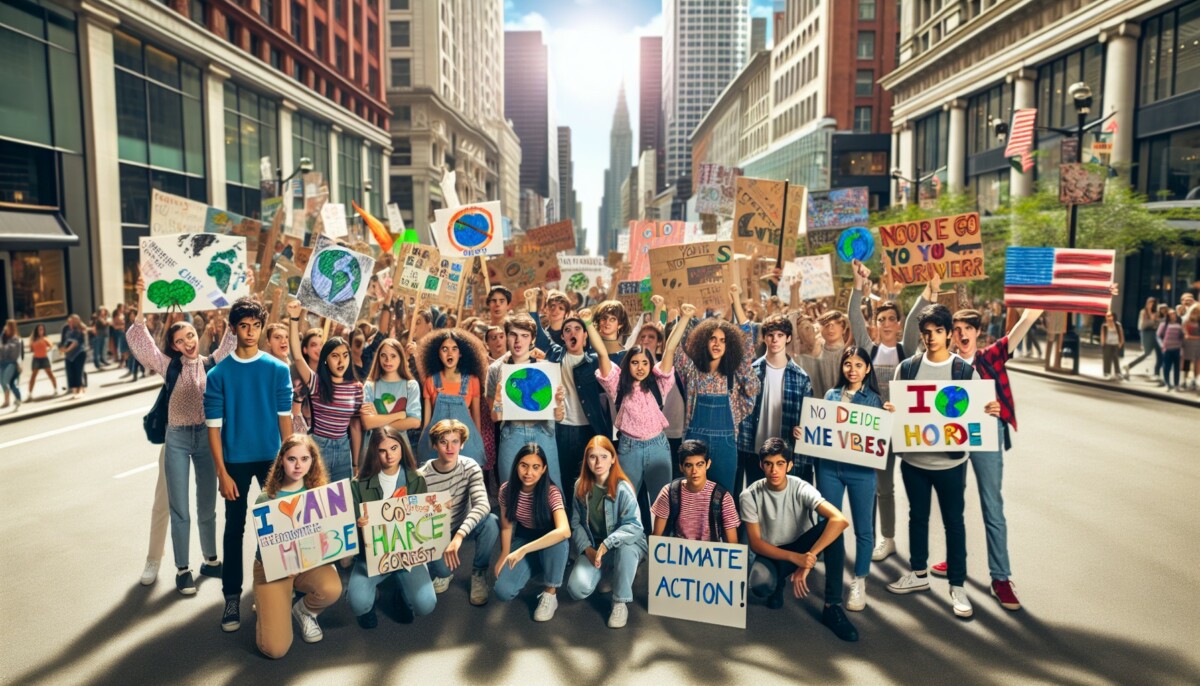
<point>102,385</point>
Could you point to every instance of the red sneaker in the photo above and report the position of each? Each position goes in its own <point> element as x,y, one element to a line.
<point>1003,591</point>
<point>939,569</point>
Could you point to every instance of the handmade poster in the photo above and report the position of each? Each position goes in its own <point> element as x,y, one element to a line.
<point>838,209</point>
<point>716,190</point>
<point>697,232</point>
<point>635,296</point>
<point>580,272</point>
<point>528,390</point>
<point>407,531</point>
<point>815,276</point>
<point>335,282</point>
<point>316,194</point>
<point>294,250</point>
<point>615,259</point>
<point>759,216</point>
<point>646,234</point>
<point>193,271</point>
<point>1081,184</point>
<point>623,242</point>
<point>557,237</point>
<point>417,271</point>
<point>226,222</point>
<point>950,247</point>
<point>175,214</point>
<point>699,581</point>
<point>306,530</point>
<point>525,270</point>
<point>855,434</point>
<point>395,219</point>
<point>451,273</point>
<point>333,219</point>
<point>943,416</point>
<point>271,207</point>
<point>287,275</point>
<point>842,296</point>
<point>795,218</point>
<point>469,230</point>
<point>854,243</point>
<point>1060,279</point>
<point>695,273</point>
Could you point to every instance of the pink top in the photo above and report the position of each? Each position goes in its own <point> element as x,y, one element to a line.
<point>186,406</point>
<point>640,417</point>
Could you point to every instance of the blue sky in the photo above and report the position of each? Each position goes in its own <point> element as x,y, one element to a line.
<point>593,47</point>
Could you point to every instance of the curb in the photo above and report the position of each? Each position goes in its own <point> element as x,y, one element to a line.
<point>1097,383</point>
<point>62,406</point>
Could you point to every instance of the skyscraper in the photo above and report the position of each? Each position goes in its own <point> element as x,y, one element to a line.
<point>528,103</point>
<point>651,134</point>
<point>758,34</point>
<point>566,176</point>
<point>620,161</point>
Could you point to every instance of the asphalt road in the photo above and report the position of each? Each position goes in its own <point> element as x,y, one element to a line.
<point>1103,530</point>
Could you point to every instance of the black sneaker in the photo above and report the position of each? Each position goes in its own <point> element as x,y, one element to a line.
<point>185,584</point>
<point>368,620</point>
<point>231,620</point>
<point>404,613</point>
<point>211,569</point>
<point>835,618</point>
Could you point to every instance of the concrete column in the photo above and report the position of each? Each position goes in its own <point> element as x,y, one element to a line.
<point>214,130</point>
<point>99,80</point>
<point>335,173</point>
<point>384,185</point>
<point>906,160</point>
<point>1024,82</point>
<point>956,157</point>
<point>1120,76</point>
<point>364,198</point>
<point>287,161</point>
<point>908,28</point>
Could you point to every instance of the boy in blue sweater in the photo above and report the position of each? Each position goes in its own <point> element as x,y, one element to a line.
<point>245,393</point>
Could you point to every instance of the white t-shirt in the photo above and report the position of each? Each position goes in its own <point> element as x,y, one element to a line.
<point>886,355</point>
<point>934,371</point>
<point>770,417</point>
<point>782,516</point>
<point>573,408</point>
<point>388,483</point>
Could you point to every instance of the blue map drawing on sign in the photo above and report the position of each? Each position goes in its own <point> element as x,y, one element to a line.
<point>530,389</point>
<point>855,243</point>
<point>952,401</point>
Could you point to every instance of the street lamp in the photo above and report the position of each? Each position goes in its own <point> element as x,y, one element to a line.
<point>305,166</point>
<point>1081,97</point>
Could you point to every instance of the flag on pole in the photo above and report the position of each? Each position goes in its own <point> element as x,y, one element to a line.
<point>1059,279</point>
<point>378,230</point>
<point>1020,138</point>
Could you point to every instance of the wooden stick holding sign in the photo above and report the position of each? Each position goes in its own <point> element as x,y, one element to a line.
<point>267,251</point>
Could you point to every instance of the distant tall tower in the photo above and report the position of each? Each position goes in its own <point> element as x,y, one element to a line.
<point>566,176</point>
<point>651,132</point>
<point>528,102</point>
<point>620,161</point>
<point>758,34</point>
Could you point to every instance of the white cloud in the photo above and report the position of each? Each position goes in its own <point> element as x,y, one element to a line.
<point>529,22</point>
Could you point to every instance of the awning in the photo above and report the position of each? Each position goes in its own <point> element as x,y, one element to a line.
<point>34,230</point>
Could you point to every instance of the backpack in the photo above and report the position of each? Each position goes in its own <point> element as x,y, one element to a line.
<point>960,370</point>
<point>155,421</point>
<point>715,510</point>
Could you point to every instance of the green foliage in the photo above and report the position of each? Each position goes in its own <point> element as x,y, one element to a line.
<point>1122,222</point>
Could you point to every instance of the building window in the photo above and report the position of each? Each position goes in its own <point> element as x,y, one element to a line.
<point>298,22</point>
<point>402,152</point>
<point>319,39</point>
<point>276,59</point>
<point>251,133</point>
<point>401,73</point>
<point>931,134</point>
<point>399,5</point>
<point>339,53</point>
<point>159,113</point>
<point>862,120</point>
<point>266,10</point>
<point>864,83</point>
<point>310,138</point>
<point>39,284</point>
<point>1169,165</point>
<point>402,194</point>
<point>866,45</point>
<point>1171,54</point>
<point>984,111</point>
<point>350,170</point>
<point>39,85</point>
<point>404,115</point>
<point>860,163</point>
<point>866,10</point>
<point>372,38</point>
<point>1055,107</point>
<point>401,34</point>
<point>231,32</point>
<point>196,11</point>
<point>339,10</point>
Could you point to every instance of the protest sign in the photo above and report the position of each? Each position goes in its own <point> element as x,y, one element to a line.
<point>950,247</point>
<point>297,533</point>
<point>333,218</point>
<point>855,434</point>
<point>557,237</point>
<point>644,235</point>
<point>1081,184</point>
<point>580,272</point>
<point>813,273</point>
<point>698,581</point>
<point>469,230</point>
<point>395,219</point>
<point>294,250</point>
<point>528,390</point>
<point>837,209</point>
<point>758,217</point>
<point>943,416</point>
<point>842,296</point>
<point>695,273</point>
<point>286,275</point>
<point>716,190</point>
<point>193,271</point>
<point>623,241</point>
<point>335,282</point>
<point>416,271</point>
<point>175,214</point>
<point>407,531</point>
<point>524,270</point>
<point>635,296</point>
<point>271,207</point>
<point>450,274</point>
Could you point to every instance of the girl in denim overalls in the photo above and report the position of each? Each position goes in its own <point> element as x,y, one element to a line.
<point>452,364</point>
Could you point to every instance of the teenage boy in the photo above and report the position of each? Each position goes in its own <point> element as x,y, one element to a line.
<point>778,512</point>
<point>278,343</point>
<point>776,411</point>
<point>470,515</point>
<point>557,308</point>
<point>944,472</point>
<point>585,412</point>
<point>499,302</point>
<point>245,394</point>
<point>694,507</point>
<point>824,368</point>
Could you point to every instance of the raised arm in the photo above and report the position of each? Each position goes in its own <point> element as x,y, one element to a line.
<point>735,292</point>
<point>858,323</point>
<point>1022,327</point>
<point>597,342</point>
<point>293,311</point>
<point>667,364</point>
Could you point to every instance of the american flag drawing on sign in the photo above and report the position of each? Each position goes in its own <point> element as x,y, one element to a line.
<point>1059,279</point>
<point>1020,137</point>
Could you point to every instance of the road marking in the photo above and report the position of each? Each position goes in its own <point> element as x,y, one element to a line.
<point>135,470</point>
<point>73,427</point>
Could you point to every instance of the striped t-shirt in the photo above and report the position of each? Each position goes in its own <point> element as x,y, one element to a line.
<point>693,511</point>
<point>525,504</point>
<point>468,495</point>
<point>332,420</point>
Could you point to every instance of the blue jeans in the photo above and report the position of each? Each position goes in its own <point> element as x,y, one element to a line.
<point>622,563</point>
<point>9,373</point>
<point>551,561</point>
<point>414,584</point>
<point>335,452</point>
<point>1149,346</point>
<point>988,466</point>
<point>1170,364</point>
<point>98,343</point>
<point>485,535</point>
<point>712,422</point>
<point>834,477</point>
<point>187,446</point>
<point>645,461</point>
<point>513,436</point>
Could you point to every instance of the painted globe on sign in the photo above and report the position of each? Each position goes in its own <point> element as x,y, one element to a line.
<point>530,389</point>
<point>952,401</point>
<point>472,229</point>
<point>336,276</point>
<point>855,243</point>
<point>578,282</point>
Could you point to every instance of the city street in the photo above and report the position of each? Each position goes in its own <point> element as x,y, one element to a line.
<point>1102,529</point>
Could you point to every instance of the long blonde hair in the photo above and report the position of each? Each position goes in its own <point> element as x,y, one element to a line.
<point>316,476</point>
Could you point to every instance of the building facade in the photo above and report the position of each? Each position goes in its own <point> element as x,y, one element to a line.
<point>737,126</point>
<point>620,161</point>
<point>566,176</point>
<point>651,132</point>
<point>107,100</point>
<point>529,103</point>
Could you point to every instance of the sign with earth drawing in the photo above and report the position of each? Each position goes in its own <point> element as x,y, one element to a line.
<point>193,271</point>
<point>854,243</point>
<point>943,416</point>
<point>335,282</point>
<point>469,230</point>
<point>527,390</point>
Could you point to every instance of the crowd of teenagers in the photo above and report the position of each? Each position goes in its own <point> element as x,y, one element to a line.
<point>678,423</point>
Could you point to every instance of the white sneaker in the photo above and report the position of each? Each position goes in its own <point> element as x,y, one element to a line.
<point>883,548</point>
<point>310,631</point>
<point>547,605</point>
<point>150,573</point>
<point>619,616</point>
<point>909,583</point>
<point>962,604</point>
<point>858,594</point>
<point>441,583</point>
<point>479,587</point>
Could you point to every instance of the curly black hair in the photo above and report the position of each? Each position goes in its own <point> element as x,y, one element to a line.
<point>473,360</point>
<point>697,346</point>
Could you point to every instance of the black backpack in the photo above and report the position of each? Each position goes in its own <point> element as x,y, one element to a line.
<point>960,370</point>
<point>716,518</point>
<point>155,422</point>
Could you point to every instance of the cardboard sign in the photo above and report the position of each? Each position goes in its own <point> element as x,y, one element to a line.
<point>635,296</point>
<point>335,282</point>
<point>175,214</point>
<point>813,273</point>
<point>306,530</point>
<point>1081,184</point>
<point>527,390</point>
<point>558,237</point>
<point>522,271</point>
<point>695,273</point>
<point>759,220</point>
<point>417,271</point>
<point>855,434</point>
<point>333,219</point>
<point>644,235</point>
<point>451,273</point>
<point>469,230</point>
<point>395,219</point>
<point>837,209</point>
<point>699,581</point>
<point>950,247</point>
<point>316,194</point>
<point>286,275</point>
<point>404,532</point>
<point>943,416</point>
<point>716,191</point>
<point>842,297</point>
<point>193,271</point>
<point>580,272</point>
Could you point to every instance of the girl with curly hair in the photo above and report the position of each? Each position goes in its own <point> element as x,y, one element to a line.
<point>452,364</point>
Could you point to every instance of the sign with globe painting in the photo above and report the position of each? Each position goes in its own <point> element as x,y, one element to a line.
<point>527,390</point>
<point>943,416</point>
<point>854,243</point>
<point>948,247</point>
<point>186,272</point>
<point>469,230</point>
<point>335,282</point>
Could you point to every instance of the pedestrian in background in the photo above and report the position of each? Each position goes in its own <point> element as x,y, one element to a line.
<point>99,336</point>
<point>1112,345</point>
<point>72,343</point>
<point>1147,327</point>
<point>1191,345</point>
<point>40,345</point>
<point>12,351</point>
<point>1170,339</point>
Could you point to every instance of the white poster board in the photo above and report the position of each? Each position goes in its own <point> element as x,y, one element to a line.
<point>855,434</point>
<point>306,530</point>
<point>528,390</point>
<point>395,219</point>
<point>335,282</point>
<point>816,277</point>
<point>943,416</point>
<point>469,230</point>
<point>174,214</point>
<point>407,531</point>
<point>193,271</point>
<point>333,218</point>
<point>581,272</point>
<point>699,581</point>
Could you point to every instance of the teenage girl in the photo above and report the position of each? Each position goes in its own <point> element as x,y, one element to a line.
<point>12,349</point>
<point>391,397</point>
<point>40,345</point>
<point>452,364</point>
<point>311,344</point>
